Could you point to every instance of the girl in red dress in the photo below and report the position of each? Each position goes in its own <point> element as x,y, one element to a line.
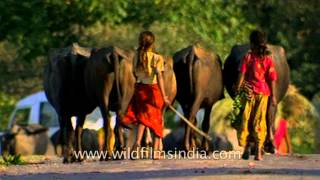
<point>149,99</point>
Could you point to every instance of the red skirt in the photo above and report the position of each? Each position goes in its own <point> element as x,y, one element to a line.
<point>146,107</point>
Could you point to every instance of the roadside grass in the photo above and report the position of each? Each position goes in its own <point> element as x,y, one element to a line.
<point>9,160</point>
<point>12,160</point>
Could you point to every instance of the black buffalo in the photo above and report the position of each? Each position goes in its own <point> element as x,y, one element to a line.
<point>231,72</point>
<point>199,85</point>
<point>109,83</point>
<point>65,90</point>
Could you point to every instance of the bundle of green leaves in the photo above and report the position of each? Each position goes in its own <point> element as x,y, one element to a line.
<point>236,113</point>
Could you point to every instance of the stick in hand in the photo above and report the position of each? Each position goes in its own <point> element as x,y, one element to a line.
<point>190,124</point>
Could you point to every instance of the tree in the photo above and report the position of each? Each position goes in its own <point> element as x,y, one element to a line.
<point>294,25</point>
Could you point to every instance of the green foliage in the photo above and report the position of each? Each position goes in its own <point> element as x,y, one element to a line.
<point>7,103</point>
<point>294,25</point>
<point>29,28</point>
<point>36,26</point>
<point>236,114</point>
<point>316,103</point>
<point>12,160</point>
<point>216,24</point>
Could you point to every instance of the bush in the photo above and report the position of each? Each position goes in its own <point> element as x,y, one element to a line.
<point>7,104</point>
<point>303,121</point>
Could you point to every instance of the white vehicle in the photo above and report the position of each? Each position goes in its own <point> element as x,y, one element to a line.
<point>35,109</point>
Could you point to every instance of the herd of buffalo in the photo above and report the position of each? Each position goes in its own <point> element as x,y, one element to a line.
<point>78,79</point>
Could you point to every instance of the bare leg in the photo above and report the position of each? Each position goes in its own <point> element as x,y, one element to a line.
<point>156,143</point>
<point>140,132</point>
<point>156,148</point>
<point>137,144</point>
<point>258,153</point>
<point>161,144</point>
<point>148,137</point>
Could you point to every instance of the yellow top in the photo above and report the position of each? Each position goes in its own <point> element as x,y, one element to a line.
<point>155,64</point>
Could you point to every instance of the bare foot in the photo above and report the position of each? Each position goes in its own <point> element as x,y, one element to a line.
<point>258,155</point>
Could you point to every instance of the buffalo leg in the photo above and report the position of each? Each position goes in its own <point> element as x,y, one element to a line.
<point>119,130</point>
<point>104,108</point>
<point>106,122</point>
<point>109,135</point>
<point>62,137</point>
<point>188,137</point>
<point>195,108</point>
<point>70,138</point>
<point>78,135</point>
<point>205,127</point>
<point>193,144</point>
<point>269,146</point>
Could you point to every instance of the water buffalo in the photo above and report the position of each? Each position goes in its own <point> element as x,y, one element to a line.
<point>65,90</point>
<point>109,83</point>
<point>231,72</point>
<point>199,85</point>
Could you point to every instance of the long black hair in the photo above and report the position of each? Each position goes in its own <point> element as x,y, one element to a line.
<point>258,41</point>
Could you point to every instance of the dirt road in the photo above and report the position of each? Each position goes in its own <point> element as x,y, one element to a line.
<point>290,167</point>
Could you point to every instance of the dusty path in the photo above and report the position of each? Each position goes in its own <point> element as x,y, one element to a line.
<point>293,167</point>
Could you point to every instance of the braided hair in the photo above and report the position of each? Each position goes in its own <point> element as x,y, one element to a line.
<point>146,43</point>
